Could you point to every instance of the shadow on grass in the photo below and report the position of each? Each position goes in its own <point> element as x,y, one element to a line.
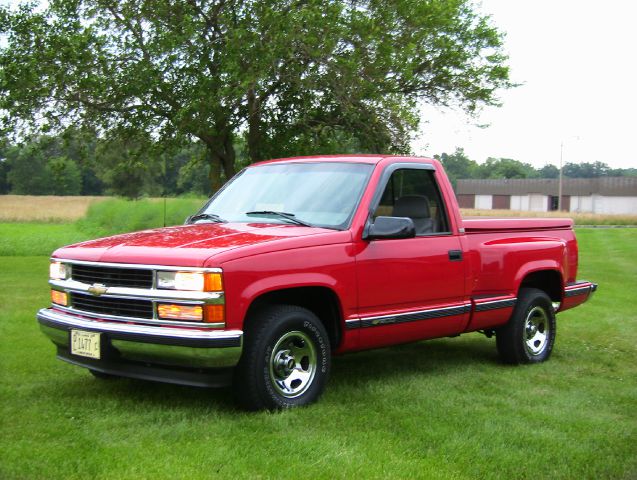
<point>427,358</point>
<point>432,358</point>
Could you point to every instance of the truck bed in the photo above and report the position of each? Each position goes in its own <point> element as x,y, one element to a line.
<point>514,224</point>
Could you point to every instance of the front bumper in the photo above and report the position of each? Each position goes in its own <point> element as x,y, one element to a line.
<point>175,355</point>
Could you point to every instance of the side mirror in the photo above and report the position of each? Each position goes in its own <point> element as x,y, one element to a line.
<point>390,227</point>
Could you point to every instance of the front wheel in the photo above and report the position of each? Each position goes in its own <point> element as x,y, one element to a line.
<point>529,335</point>
<point>285,361</point>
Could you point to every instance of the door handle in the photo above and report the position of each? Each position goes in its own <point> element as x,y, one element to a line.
<point>455,255</point>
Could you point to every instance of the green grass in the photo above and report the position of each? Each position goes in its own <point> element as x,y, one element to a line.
<point>37,238</point>
<point>119,216</point>
<point>437,409</point>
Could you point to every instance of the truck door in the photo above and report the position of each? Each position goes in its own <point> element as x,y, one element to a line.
<point>411,288</point>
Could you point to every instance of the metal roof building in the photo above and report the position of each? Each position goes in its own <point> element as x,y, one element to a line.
<point>606,195</point>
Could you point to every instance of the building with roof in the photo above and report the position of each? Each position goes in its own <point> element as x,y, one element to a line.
<point>605,195</point>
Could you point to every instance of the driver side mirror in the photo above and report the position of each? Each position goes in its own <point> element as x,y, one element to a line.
<point>389,228</point>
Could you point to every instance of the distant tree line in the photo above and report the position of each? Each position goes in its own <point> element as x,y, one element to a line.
<point>78,163</point>
<point>458,165</point>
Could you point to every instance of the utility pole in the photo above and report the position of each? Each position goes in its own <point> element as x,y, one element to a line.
<point>559,193</point>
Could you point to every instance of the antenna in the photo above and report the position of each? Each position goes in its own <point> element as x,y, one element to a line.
<point>164,209</point>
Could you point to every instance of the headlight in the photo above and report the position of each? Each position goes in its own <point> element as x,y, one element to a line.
<point>59,271</point>
<point>196,281</point>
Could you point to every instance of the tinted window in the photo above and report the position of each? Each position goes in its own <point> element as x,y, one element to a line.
<point>414,193</point>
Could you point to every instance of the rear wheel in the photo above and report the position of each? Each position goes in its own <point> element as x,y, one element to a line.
<point>285,361</point>
<point>529,335</point>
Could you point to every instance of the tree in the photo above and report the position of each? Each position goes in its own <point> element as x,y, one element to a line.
<point>506,168</point>
<point>290,75</point>
<point>549,171</point>
<point>27,173</point>
<point>130,166</point>
<point>586,170</point>
<point>458,165</point>
<point>65,177</point>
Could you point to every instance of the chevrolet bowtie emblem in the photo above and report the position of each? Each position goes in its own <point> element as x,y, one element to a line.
<point>97,289</point>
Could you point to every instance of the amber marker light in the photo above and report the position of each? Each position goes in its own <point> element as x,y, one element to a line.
<point>213,282</point>
<point>192,313</point>
<point>59,298</point>
<point>215,314</point>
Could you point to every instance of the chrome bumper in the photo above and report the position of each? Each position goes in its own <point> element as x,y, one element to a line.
<point>168,346</point>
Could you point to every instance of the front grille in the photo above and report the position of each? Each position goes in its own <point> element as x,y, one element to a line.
<point>112,276</point>
<point>121,307</point>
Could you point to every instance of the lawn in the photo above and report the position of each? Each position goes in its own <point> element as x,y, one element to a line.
<point>437,409</point>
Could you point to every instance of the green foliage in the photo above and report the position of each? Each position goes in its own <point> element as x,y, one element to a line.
<point>288,75</point>
<point>443,409</point>
<point>549,171</point>
<point>4,181</point>
<point>506,168</point>
<point>46,165</point>
<point>458,165</point>
<point>37,238</point>
<point>594,170</point>
<point>65,177</point>
<point>27,170</point>
<point>119,216</point>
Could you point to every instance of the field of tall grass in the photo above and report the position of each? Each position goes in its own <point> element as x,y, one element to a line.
<point>578,218</point>
<point>44,208</point>
<point>116,215</point>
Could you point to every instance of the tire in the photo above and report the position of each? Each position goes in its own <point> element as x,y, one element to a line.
<point>102,375</point>
<point>529,335</point>
<point>285,361</point>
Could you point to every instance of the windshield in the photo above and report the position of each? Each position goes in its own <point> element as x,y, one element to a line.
<point>320,194</point>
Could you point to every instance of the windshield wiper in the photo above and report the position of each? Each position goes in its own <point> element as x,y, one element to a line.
<point>288,216</point>
<point>207,216</point>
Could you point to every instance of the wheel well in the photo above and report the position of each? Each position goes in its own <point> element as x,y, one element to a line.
<point>322,301</point>
<point>550,281</point>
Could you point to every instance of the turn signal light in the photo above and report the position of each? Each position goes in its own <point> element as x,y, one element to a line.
<point>180,312</point>
<point>213,282</point>
<point>214,314</point>
<point>59,298</point>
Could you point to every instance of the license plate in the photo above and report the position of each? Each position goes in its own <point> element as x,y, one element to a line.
<point>85,344</point>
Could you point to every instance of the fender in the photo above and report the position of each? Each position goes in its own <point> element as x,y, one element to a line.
<point>537,266</point>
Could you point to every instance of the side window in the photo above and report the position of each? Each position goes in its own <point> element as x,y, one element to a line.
<point>413,193</point>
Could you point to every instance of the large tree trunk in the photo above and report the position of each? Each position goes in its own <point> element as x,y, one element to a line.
<point>220,154</point>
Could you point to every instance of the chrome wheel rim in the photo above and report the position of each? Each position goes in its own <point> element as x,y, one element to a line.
<point>536,331</point>
<point>293,364</point>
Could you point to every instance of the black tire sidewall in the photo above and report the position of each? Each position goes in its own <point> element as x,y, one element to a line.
<point>511,338</point>
<point>281,321</point>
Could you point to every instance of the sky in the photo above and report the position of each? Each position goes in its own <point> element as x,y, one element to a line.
<point>577,63</point>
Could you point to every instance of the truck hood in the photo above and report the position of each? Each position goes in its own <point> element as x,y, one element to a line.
<point>207,244</point>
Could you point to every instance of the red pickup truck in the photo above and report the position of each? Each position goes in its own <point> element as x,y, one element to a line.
<point>298,259</point>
